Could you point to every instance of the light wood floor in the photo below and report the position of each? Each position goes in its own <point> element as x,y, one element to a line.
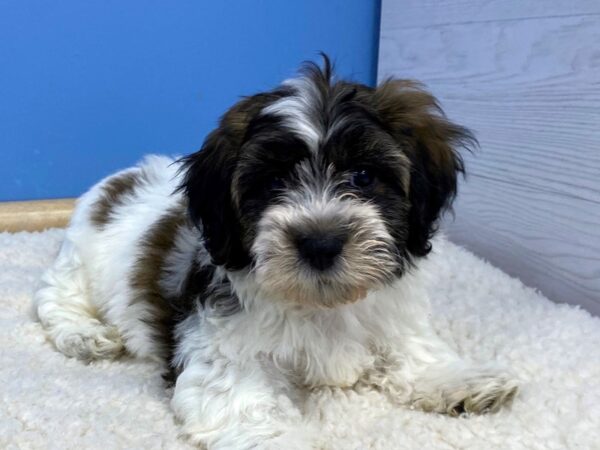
<point>35,215</point>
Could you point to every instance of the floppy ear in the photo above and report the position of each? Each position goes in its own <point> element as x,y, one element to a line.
<point>431,142</point>
<point>207,183</point>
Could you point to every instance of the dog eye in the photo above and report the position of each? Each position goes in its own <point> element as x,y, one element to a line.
<point>362,178</point>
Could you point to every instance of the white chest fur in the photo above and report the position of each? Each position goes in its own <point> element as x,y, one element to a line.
<point>324,347</point>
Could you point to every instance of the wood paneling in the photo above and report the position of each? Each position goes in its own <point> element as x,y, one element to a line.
<point>426,13</point>
<point>525,76</point>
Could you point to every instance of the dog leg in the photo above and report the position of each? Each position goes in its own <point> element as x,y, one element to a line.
<point>463,387</point>
<point>423,371</point>
<point>225,403</point>
<point>62,305</point>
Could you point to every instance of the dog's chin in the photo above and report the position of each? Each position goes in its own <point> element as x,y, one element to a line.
<point>316,293</point>
<point>325,297</point>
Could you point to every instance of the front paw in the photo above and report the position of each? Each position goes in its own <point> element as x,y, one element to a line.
<point>457,390</point>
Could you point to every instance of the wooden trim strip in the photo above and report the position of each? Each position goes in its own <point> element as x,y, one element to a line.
<point>35,215</point>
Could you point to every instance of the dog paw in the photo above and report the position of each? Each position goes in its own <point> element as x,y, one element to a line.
<point>90,343</point>
<point>471,391</point>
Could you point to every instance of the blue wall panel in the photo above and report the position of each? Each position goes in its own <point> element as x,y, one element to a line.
<point>87,87</point>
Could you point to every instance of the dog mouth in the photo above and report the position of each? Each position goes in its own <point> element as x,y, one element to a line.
<point>322,295</point>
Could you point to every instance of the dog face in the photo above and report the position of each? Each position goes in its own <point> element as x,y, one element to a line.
<point>325,189</point>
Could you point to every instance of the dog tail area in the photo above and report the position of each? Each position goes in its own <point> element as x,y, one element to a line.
<point>72,323</point>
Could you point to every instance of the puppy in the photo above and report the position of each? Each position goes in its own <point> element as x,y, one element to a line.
<point>283,256</point>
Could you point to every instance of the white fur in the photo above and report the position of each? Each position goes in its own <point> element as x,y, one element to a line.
<point>298,111</point>
<point>245,375</point>
<point>90,277</point>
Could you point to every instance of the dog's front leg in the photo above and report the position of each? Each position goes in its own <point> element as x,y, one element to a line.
<point>442,381</point>
<point>423,371</point>
<point>226,404</point>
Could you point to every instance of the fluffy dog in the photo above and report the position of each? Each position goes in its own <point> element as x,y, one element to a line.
<point>281,257</point>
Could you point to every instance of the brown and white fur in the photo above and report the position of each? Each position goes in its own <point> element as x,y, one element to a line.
<point>283,256</point>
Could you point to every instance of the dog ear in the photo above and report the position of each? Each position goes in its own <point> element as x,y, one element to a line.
<point>416,121</point>
<point>207,184</point>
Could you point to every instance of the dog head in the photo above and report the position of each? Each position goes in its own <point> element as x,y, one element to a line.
<point>325,189</point>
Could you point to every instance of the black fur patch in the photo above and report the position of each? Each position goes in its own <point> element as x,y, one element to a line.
<point>208,183</point>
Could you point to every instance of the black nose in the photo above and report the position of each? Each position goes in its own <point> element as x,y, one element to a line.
<point>320,251</point>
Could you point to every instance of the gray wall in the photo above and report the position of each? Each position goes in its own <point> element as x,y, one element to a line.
<point>525,76</point>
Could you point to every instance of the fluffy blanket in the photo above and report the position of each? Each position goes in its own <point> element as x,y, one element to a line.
<point>50,402</point>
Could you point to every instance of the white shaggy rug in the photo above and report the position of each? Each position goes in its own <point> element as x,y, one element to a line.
<point>50,402</point>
